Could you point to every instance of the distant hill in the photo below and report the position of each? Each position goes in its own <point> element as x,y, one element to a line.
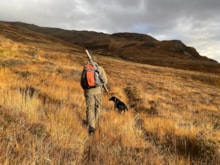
<point>173,115</point>
<point>134,47</point>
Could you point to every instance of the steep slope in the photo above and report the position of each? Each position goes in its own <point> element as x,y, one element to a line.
<point>139,48</point>
<point>33,38</point>
<point>173,115</point>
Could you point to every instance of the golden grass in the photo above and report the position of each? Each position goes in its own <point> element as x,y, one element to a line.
<point>173,115</point>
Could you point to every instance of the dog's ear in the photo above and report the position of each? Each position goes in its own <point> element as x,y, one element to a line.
<point>111,98</point>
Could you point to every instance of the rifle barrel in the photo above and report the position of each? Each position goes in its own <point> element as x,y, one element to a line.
<point>92,62</point>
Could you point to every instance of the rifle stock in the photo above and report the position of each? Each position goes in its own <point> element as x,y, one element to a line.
<point>92,62</point>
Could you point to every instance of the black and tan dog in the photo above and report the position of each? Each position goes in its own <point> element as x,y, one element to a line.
<point>118,104</point>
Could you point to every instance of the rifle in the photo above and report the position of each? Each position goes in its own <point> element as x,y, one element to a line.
<point>92,62</point>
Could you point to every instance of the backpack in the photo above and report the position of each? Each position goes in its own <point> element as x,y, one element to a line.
<point>90,77</point>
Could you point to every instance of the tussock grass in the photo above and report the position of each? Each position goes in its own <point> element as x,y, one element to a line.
<point>118,141</point>
<point>173,115</point>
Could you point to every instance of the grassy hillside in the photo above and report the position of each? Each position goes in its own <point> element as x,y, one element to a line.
<point>173,115</point>
<point>140,48</point>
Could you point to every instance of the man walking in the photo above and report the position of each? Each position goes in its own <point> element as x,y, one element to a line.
<point>93,95</point>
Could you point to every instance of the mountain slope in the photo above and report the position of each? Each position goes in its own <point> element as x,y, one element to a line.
<point>139,48</point>
<point>173,115</point>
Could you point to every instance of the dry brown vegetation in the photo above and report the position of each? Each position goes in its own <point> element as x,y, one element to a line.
<point>140,48</point>
<point>173,115</point>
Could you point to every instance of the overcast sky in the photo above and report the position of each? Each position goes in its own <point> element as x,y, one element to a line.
<point>195,22</point>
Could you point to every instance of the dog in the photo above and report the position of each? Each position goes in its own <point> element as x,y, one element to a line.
<point>118,104</point>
